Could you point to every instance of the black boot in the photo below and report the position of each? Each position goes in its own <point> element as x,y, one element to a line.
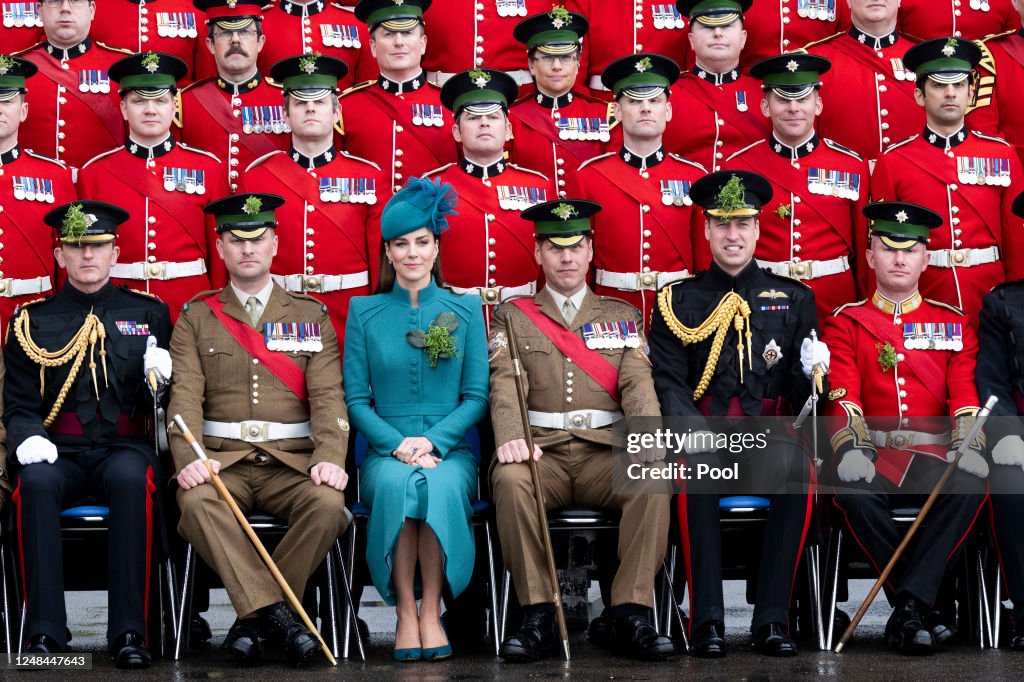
<point>906,631</point>
<point>280,625</point>
<point>771,640</point>
<point>708,640</point>
<point>536,638</point>
<point>129,651</point>
<point>635,637</point>
<point>243,641</point>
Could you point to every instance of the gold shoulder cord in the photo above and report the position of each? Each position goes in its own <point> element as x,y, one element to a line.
<point>732,308</point>
<point>90,332</point>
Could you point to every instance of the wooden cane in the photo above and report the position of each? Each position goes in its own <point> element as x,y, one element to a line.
<point>240,517</point>
<point>538,491</point>
<point>939,485</point>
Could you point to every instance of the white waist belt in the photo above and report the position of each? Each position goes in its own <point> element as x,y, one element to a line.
<point>257,432</point>
<point>595,83</point>
<point>577,419</point>
<point>496,295</point>
<point>905,439</point>
<point>11,287</point>
<point>963,258</point>
<point>807,269</point>
<point>639,281</point>
<point>322,283</point>
<point>161,270</point>
<point>521,76</point>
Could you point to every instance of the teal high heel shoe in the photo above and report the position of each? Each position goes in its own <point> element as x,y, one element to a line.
<point>438,653</point>
<point>406,655</point>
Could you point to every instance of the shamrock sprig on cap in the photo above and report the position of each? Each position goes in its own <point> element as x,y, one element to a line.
<point>252,206</point>
<point>151,62</point>
<point>731,197</point>
<point>308,63</point>
<point>76,222</point>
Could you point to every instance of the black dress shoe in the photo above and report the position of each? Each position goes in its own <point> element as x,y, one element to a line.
<point>601,631</point>
<point>199,633</point>
<point>535,639</point>
<point>44,644</point>
<point>943,634</point>
<point>243,641</point>
<point>636,638</point>
<point>129,651</point>
<point>906,631</point>
<point>1017,641</point>
<point>280,625</point>
<point>772,640</point>
<point>708,641</point>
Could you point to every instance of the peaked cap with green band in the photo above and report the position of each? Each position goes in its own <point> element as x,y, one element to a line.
<point>309,76</point>
<point>246,216</point>
<point>713,12</point>
<point>731,194</point>
<point>563,222</point>
<point>395,15</point>
<point>640,76</point>
<point>944,60</point>
<point>556,32</point>
<point>791,75</point>
<point>148,71</point>
<point>478,88</point>
<point>900,224</point>
<point>13,73</point>
<point>86,221</point>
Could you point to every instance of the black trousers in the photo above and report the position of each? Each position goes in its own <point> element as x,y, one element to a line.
<point>122,479</point>
<point>784,471</point>
<point>922,567</point>
<point>1007,486</point>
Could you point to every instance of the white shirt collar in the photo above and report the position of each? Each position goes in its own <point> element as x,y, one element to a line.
<point>263,295</point>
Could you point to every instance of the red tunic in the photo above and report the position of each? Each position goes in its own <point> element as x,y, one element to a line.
<point>814,217</point>
<point>924,19</point>
<point>995,110</point>
<point>777,26</point>
<point>22,27</point>
<point>166,230</point>
<point>975,215</point>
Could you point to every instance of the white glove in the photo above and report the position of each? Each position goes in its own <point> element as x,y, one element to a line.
<point>157,360</point>
<point>973,463</point>
<point>35,449</point>
<point>856,466</point>
<point>698,442</point>
<point>1009,450</point>
<point>814,353</point>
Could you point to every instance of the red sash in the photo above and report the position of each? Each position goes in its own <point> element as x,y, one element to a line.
<point>435,139</point>
<point>216,108</point>
<point>724,105</point>
<point>470,193</point>
<point>252,341</point>
<point>103,108</point>
<point>573,347</point>
<point>866,57</point>
<point>1014,47</point>
<point>540,121</point>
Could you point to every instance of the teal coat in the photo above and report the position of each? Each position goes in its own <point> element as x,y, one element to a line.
<point>392,392</point>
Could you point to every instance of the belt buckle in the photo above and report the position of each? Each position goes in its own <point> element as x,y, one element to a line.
<point>156,271</point>
<point>255,432</point>
<point>6,286</point>
<point>647,281</point>
<point>579,421</point>
<point>799,270</point>
<point>490,295</point>
<point>312,282</point>
<point>898,441</point>
<point>959,256</point>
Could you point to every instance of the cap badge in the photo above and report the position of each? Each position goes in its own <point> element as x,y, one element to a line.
<point>232,3</point>
<point>902,217</point>
<point>308,63</point>
<point>76,222</point>
<point>252,206</point>
<point>559,17</point>
<point>950,49</point>
<point>644,65</point>
<point>5,64</point>
<point>564,211</point>
<point>480,78</point>
<point>792,66</point>
<point>398,2</point>
<point>151,62</point>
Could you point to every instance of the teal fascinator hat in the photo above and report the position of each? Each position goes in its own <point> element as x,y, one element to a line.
<point>421,203</point>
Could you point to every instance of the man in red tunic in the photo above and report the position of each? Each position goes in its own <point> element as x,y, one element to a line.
<point>973,19</point>
<point>993,110</point>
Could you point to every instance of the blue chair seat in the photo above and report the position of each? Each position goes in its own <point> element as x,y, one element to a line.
<point>87,511</point>
<point>743,502</point>
<point>360,509</point>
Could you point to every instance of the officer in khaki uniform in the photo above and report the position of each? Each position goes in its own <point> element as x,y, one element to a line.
<point>261,380</point>
<point>571,409</point>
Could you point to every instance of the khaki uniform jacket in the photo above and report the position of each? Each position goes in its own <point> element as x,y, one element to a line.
<point>216,379</point>
<point>555,384</point>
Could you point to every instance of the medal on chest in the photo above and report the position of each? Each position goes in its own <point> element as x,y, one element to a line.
<point>933,336</point>
<point>185,180</point>
<point>293,336</point>
<point>33,189</point>
<point>339,35</point>
<point>348,190</point>
<point>176,25</point>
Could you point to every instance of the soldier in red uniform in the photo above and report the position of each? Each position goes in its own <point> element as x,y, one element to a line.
<point>236,115</point>
<point>30,185</point>
<point>478,32</point>
<point>305,26</point>
<point>644,237</point>
<point>489,246</point>
<point>971,19</point>
<point>23,27</point>
<point>813,230</point>
<point>775,27</point>
<point>555,127</point>
<point>173,27</point>
<point>75,115</point>
<point>717,98</point>
<point>329,227</point>
<point>628,27</point>
<point>397,120</point>
<point>967,177</point>
<point>901,375</point>
<point>167,241</point>
<point>869,93</point>
<point>993,109</point>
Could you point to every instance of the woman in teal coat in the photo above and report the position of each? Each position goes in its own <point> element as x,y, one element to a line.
<point>416,379</point>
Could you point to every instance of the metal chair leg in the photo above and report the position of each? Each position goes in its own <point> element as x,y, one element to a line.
<point>814,588</point>
<point>6,602</point>
<point>494,587</point>
<point>675,610</point>
<point>184,613</point>
<point>504,602</point>
<point>984,618</point>
<point>832,558</point>
<point>350,617</point>
<point>332,604</point>
<point>997,608</point>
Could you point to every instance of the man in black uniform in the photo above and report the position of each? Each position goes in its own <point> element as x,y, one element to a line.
<point>77,428</point>
<point>759,372</point>
<point>1000,372</point>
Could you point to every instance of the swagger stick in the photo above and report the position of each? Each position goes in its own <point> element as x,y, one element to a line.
<point>939,485</point>
<point>240,517</point>
<point>549,552</point>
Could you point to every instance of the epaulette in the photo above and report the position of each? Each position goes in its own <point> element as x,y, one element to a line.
<point>639,313</point>
<point>263,158</point>
<point>101,155</point>
<point>343,8</point>
<point>527,170</point>
<point>991,138</point>
<point>358,158</point>
<point>28,49</point>
<point>900,144</point>
<point>119,50</point>
<point>785,278</point>
<point>749,146</point>
<point>193,84</point>
<point>823,40</point>
<point>41,157</point>
<point>994,36</point>
<point>25,304</point>
<point>140,292</point>
<point>200,296</point>
<point>848,305</point>
<point>302,296</point>
<point>272,83</point>
<point>355,88</point>
<point>433,84</point>
<point>688,162</point>
<point>439,170</point>
<point>832,144</point>
<point>948,306</point>
<point>595,158</point>
<point>197,150</point>
<point>1006,285</point>
<point>692,278</point>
